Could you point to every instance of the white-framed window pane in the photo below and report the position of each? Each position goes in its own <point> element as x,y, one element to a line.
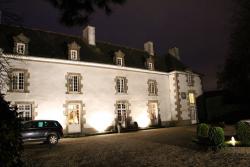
<point>18,81</point>
<point>24,111</point>
<point>20,48</point>
<point>73,54</point>
<point>120,61</point>
<point>73,82</point>
<point>120,83</point>
<point>121,112</point>
<point>150,66</point>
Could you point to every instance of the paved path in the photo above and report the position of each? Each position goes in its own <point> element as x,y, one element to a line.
<point>158,147</point>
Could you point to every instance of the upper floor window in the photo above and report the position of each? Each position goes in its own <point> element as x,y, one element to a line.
<point>74,83</point>
<point>119,58</point>
<point>20,48</point>
<point>121,85</point>
<point>18,81</point>
<point>73,51</point>
<point>119,61</point>
<point>150,66</point>
<point>73,55</point>
<point>191,97</point>
<point>190,80</point>
<point>21,43</point>
<point>152,88</point>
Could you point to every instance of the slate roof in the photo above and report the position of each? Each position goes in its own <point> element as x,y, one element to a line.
<point>54,45</point>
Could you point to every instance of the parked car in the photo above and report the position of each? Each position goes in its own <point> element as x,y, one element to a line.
<point>49,131</point>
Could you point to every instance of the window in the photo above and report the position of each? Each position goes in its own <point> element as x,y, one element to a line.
<point>150,66</point>
<point>121,112</point>
<point>119,61</point>
<point>73,83</point>
<point>24,111</point>
<point>73,113</point>
<point>121,85</point>
<point>191,98</point>
<point>152,88</point>
<point>190,80</point>
<point>20,48</point>
<point>18,81</point>
<point>73,55</point>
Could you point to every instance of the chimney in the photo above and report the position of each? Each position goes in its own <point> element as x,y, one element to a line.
<point>89,35</point>
<point>174,52</point>
<point>149,47</point>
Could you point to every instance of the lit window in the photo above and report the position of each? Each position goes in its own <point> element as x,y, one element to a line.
<point>73,54</point>
<point>73,83</point>
<point>152,87</point>
<point>121,112</point>
<point>73,113</point>
<point>20,48</point>
<point>24,111</point>
<point>18,81</point>
<point>150,66</point>
<point>121,85</point>
<point>191,98</point>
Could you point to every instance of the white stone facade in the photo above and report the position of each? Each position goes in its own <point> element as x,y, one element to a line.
<point>47,91</point>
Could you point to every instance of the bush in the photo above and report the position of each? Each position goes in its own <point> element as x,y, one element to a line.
<point>202,130</point>
<point>216,137</point>
<point>243,133</point>
<point>10,136</point>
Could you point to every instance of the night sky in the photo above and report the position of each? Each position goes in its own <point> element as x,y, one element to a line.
<point>199,28</point>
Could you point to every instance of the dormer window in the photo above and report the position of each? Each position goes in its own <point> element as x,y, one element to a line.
<point>119,58</point>
<point>21,43</point>
<point>150,63</point>
<point>73,55</point>
<point>73,51</point>
<point>20,48</point>
<point>150,66</point>
<point>119,61</point>
<point>190,79</point>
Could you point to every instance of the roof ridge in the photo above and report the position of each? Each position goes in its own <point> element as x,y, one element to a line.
<point>124,46</point>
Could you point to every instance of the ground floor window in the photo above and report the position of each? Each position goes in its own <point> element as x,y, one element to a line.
<point>74,113</point>
<point>121,111</point>
<point>24,111</point>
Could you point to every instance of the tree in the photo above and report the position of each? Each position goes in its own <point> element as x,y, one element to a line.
<point>10,135</point>
<point>235,77</point>
<point>77,12</point>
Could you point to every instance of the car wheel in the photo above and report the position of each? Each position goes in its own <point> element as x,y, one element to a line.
<point>53,139</point>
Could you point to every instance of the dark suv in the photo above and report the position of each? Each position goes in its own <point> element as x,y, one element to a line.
<point>42,130</point>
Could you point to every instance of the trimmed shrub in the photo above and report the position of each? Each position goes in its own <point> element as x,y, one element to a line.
<point>202,130</point>
<point>243,133</point>
<point>10,136</point>
<point>216,137</point>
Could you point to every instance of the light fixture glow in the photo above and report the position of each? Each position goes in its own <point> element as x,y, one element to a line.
<point>100,121</point>
<point>143,121</point>
<point>232,141</point>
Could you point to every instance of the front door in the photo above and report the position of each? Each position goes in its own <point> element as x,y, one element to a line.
<point>74,121</point>
<point>193,115</point>
<point>153,112</point>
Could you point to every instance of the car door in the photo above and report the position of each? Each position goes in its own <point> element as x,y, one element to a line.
<point>30,131</point>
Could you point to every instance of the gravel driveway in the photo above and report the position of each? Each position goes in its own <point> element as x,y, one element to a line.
<point>158,147</point>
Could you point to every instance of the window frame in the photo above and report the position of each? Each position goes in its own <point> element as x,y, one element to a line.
<point>152,88</point>
<point>121,85</point>
<point>119,61</point>
<point>150,66</point>
<point>73,54</point>
<point>74,87</point>
<point>191,99</point>
<point>17,81</point>
<point>26,108</point>
<point>18,45</point>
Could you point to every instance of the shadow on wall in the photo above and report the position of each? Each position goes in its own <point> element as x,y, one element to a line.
<point>221,106</point>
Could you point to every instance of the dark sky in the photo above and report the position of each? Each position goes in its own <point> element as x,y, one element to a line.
<point>199,28</point>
